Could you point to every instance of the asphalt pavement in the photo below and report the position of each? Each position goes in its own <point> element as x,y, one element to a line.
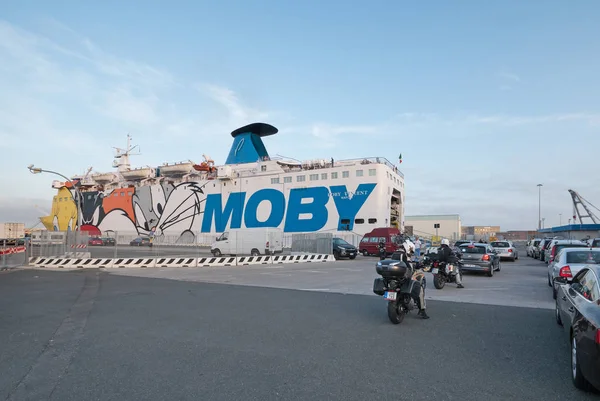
<point>103,335</point>
<point>520,283</point>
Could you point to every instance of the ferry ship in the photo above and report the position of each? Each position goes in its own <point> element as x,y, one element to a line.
<point>250,190</point>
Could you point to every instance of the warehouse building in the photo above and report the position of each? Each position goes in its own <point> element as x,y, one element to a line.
<point>430,226</point>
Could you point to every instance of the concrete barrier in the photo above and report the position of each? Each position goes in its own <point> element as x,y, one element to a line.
<point>254,260</point>
<point>221,261</point>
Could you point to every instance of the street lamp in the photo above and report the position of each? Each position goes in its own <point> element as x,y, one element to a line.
<point>77,200</point>
<point>560,217</point>
<point>540,206</point>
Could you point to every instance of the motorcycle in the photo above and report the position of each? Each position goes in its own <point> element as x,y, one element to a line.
<point>382,252</point>
<point>396,285</point>
<point>444,273</point>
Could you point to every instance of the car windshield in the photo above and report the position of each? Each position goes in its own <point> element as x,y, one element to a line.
<point>583,257</point>
<point>339,241</point>
<point>500,244</point>
<point>473,249</point>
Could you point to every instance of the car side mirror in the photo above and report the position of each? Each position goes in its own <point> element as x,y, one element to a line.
<point>561,280</point>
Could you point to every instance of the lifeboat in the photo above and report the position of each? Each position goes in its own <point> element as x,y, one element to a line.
<point>176,169</point>
<point>138,173</point>
<point>104,178</point>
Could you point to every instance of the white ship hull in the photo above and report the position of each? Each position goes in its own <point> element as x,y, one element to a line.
<point>346,196</point>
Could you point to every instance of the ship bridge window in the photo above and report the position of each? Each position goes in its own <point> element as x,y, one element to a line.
<point>345,174</point>
<point>301,178</point>
<point>334,176</point>
<point>372,221</point>
<point>359,221</point>
<point>323,176</point>
<point>359,173</point>
<point>372,172</point>
<point>287,179</point>
<point>275,180</point>
<point>314,177</point>
<point>263,168</point>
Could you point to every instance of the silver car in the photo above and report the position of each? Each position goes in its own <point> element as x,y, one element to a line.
<point>505,250</point>
<point>568,262</point>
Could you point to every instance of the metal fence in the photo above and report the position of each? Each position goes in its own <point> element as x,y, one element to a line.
<point>126,244</point>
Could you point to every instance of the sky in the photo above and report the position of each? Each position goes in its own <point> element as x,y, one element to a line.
<point>484,100</point>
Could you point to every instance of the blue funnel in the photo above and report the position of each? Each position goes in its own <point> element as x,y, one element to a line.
<point>247,144</point>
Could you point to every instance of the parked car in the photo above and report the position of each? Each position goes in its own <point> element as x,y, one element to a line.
<point>568,262</point>
<point>506,250</point>
<point>541,251</point>
<point>531,246</point>
<point>109,241</point>
<point>369,244</point>
<point>479,258</point>
<point>141,241</point>
<point>557,245</point>
<point>343,249</point>
<point>95,241</point>
<point>578,312</point>
<point>537,249</point>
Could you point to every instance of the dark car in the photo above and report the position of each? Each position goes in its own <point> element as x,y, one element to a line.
<point>343,249</point>
<point>479,258</point>
<point>109,241</point>
<point>578,312</point>
<point>141,241</point>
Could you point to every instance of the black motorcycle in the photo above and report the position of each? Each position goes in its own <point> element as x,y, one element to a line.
<point>396,285</point>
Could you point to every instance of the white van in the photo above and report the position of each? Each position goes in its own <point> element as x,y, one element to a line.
<point>249,241</point>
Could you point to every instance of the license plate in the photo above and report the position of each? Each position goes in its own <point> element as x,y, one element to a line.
<point>470,265</point>
<point>434,271</point>
<point>390,296</point>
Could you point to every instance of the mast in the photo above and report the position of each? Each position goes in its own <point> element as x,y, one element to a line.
<point>122,156</point>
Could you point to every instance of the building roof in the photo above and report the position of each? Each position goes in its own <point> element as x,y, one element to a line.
<point>572,227</point>
<point>433,217</point>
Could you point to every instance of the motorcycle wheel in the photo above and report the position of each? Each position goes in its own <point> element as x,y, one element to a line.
<point>439,281</point>
<point>395,314</point>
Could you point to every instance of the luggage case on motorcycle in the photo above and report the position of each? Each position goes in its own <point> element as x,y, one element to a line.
<point>379,286</point>
<point>393,269</point>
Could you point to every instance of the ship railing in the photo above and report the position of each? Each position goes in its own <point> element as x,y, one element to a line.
<point>370,160</point>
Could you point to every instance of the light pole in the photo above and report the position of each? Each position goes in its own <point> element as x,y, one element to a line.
<point>77,200</point>
<point>560,219</point>
<point>540,206</point>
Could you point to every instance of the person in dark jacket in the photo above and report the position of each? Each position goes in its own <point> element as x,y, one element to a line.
<point>446,255</point>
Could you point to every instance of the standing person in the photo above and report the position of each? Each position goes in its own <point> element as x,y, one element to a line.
<point>417,248</point>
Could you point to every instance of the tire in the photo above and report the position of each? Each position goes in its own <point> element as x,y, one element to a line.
<point>353,257</point>
<point>364,252</point>
<point>216,252</point>
<point>439,281</point>
<point>491,272</point>
<point>336,255</point>
<point>499,267</point>
<point>554,292</point>
<point>395,315</point>
<point>549,282</point>
<point>579,381</point>
<point>254,252</point>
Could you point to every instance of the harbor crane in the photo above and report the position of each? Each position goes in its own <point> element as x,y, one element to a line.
<point>578,200</point>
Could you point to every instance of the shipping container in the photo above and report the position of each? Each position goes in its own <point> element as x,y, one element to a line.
<point>12,230</point>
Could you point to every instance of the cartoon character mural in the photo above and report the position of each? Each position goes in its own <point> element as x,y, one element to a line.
<point>158,210</point>
<point>63,216</point>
